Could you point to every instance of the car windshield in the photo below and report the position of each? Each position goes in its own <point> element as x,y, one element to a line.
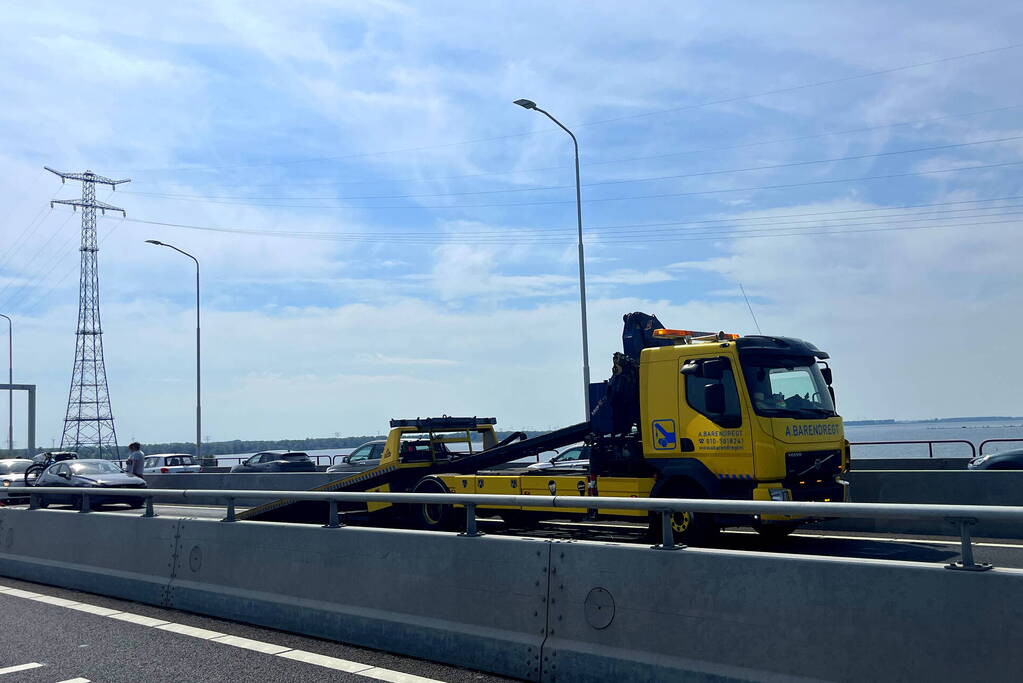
<point>294,456</point>
<point>787,387</point>
<point>14,466</point>
<point>98,467</point>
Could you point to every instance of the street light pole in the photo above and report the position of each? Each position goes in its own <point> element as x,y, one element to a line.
<point>10,380</point>
<point>529,104</point>
<point>198,351</point>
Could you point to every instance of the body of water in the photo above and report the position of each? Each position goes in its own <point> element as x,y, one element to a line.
<point>974,431</point>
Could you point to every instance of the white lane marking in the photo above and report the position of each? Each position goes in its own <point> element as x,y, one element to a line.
<point>138,619</point>
<point>326,662</point>
<point>19,667</point>
<point>193,631</point>
<point>394,676</point>
<point>249,644</point>
<point>93,609</point>
<point>357,668</point>
<point>51,600</point>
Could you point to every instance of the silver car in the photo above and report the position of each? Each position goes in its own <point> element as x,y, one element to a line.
<point>574,458</point>
<point>366,456</point>
<point>12,473</point>
<point>169,463</point>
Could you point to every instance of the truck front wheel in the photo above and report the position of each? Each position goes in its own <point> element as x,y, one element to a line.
<point>433,516</point>
<point>688,528</point>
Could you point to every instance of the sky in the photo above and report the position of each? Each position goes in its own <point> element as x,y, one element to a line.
<point>383,233</point>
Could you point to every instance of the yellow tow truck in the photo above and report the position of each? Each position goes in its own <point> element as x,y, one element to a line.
<point>685,414</point>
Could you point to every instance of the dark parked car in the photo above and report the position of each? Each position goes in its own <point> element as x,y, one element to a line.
<point>364,457</point>
<point>277,461</point>
<point>91,474</point>
<point>1006,460</point>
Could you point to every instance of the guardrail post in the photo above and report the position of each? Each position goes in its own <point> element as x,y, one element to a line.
<point>149,508</point>
<point>667,535</point>
<point>86,505</point>
<point>33,501</point>
<point>470,521</point>
<point>967,563</point>
<point>332,519</point>
<point>230,511</point>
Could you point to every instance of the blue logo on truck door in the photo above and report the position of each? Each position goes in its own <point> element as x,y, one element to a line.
<point>664,435</point>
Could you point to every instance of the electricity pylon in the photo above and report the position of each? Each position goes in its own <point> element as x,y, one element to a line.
<point>89,421</point>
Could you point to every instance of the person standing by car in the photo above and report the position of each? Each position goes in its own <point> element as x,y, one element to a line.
<point>136,460</point>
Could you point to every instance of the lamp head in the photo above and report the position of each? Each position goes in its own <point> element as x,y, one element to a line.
<point>526,104</point>
<point>156,242</point>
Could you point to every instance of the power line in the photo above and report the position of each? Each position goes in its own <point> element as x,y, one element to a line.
<point>38,300</point>
<point>639,158</point>
<point>666,195</point>
<point>35,256</point>
<point>679,176</point>
<point>697,219</point>
<point>698,105</point>
<point>613,229</point>
<point>654,235</point>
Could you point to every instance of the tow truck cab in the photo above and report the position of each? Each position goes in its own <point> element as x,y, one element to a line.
<point>744,417</point>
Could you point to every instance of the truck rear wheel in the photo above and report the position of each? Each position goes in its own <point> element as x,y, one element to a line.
<point>433,516</point>
<point>688,528</point>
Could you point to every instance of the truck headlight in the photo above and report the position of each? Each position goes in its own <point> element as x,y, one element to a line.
<point>780,494</point>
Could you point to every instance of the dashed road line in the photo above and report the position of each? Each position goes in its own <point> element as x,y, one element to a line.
<point>347,666</point>
<point>19,667</point>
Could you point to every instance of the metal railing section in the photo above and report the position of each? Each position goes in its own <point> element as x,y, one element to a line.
<point>964,516</point>
<point>987,441</point>
<point>930,444</point>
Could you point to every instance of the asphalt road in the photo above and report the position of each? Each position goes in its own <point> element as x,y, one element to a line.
<point>909,547</point>
<point>46,640</point>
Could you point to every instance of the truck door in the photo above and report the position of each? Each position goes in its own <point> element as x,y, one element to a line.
<point>713,417</point>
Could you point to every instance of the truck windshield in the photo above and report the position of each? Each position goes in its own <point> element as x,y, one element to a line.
<point>787,387</point>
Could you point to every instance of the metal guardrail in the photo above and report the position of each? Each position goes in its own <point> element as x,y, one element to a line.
<point>930,444</point>
<point>964,516</point>
<point>987,441</point>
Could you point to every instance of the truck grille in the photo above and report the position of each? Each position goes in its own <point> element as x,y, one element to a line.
<point>806,467</point>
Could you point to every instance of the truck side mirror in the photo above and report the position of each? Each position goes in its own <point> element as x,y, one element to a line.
<point>714,368</point>
<point>826,374</point>
<point>714,398</point>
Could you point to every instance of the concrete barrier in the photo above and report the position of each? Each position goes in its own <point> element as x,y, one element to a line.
<point>111,556</point>
<point>863,464</point>
<point>628,613</point>
<point>471,602</point>
<point>474,602</point>
<point>944,487</point>
<point>543,610</point>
